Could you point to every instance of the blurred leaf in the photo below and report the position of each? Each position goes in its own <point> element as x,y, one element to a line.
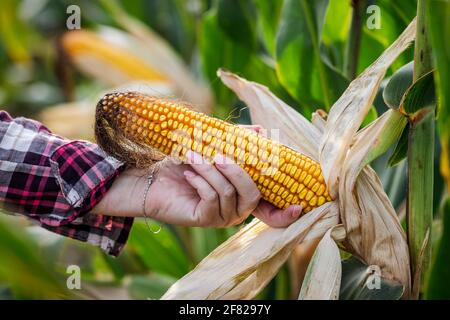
<point>401,149</point>
<point>439,30</point>
<point>160,55</point>
<point>28,273</point>
<point>439,278</point>
<point>269,16</point>
<point>301,69</point>
<point>219,51</point>
<point>420,95</point>
<point>170,19</point>
<point>160,252</point>
<point>282,285</point>
<point>149,287</point>
<point>107,61</point>
<point>337,21</point>
<point>397,86</point>
<point>394,17</point>
<point>237,20</point>
<point>204,241</point>
<point>16,35</point>
<point>360,282</point>
<point>335,31</point>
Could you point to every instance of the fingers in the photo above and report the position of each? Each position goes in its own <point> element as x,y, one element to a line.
<point>248,195</point>
<point>209,200</point>
<point>275,217</point>
<point>224,190</point>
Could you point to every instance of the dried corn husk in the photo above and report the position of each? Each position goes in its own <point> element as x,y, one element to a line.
<point>249,259</point>
<point>260,251</point>
<point>323,277</point>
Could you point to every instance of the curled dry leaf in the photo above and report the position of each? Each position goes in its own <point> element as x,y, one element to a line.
<point>323,277</point>
<point>347,114</point>
<point>373,229</point>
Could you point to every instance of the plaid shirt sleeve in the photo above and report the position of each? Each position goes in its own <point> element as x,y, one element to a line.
<point>56,182</point>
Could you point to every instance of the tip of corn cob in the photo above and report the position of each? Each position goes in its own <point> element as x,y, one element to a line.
<point>131,126</point>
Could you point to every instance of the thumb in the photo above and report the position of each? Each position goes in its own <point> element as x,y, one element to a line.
<point>275,217</point>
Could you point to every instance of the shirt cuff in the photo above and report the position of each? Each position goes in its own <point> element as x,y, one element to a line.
<point>85,173</point>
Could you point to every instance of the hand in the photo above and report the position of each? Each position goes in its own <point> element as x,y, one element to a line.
<point>194,194</point>
<point>206,195</point>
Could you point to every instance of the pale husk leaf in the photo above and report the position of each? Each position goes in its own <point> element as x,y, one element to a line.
<point>242,265</point>
<point>323,277</point>
<point>347,114</point>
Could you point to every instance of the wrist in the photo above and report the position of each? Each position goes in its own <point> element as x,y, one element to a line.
<point>124,198</point>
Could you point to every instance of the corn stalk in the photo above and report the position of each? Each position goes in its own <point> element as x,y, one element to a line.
<point>420,163</point>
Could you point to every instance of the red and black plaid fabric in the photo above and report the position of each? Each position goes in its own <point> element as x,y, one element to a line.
<point>56,182</point>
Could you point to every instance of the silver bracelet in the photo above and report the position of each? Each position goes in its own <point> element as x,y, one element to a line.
<point>150,179</point>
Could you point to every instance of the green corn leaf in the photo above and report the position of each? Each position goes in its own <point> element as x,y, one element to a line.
<point>236,18</point>
<point>149,287</point>
<point>420,95</point>
<point>160,252</point>
<point>301,68</point>
<point>397,86</point>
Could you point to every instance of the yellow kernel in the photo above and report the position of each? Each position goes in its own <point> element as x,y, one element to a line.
<point>311,183</point>
<point>288,182</point>
<point>307,180</point>
<point>321,190</point>
<point>302,176</point>
<point>315,187</point>
<point>289,198</point>
<point>303,193</point>
<point>280,191</point>
<point>321,201</point>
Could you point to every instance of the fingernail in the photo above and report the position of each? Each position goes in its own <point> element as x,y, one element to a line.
<point>296,211</point>
<point>193,157</point>
<point>220,161</point>
<point>189,174</point>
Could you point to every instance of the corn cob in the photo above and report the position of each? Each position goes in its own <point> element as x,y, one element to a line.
<point>283,175</point>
